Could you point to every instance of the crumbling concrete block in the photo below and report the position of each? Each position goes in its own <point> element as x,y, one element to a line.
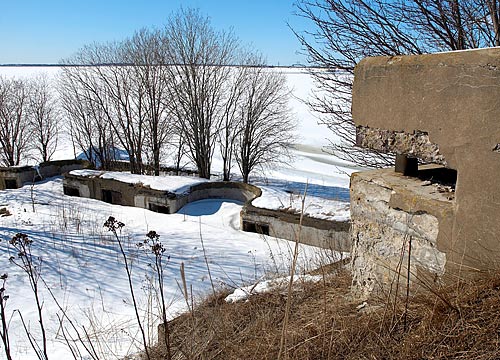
<point>395,217</point>
<point>442,108</point>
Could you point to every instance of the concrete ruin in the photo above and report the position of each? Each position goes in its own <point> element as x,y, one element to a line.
<point>14,177</point>
<point>132,191</point>
<point>444,221</point>
<point>100,185</point>
<point>326,234</point>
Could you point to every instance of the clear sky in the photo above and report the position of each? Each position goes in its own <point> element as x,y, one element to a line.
<point>46,31</point>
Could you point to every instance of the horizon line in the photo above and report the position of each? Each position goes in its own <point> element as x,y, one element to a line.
<point>296,66</point>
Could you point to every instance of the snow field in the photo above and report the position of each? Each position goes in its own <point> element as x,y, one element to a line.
<point>82,265</point>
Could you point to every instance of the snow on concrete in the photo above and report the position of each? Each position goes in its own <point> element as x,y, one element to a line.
<point>173,184</point>
<point>87,173</point>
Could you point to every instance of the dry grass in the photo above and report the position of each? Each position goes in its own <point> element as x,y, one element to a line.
<point>325,324</point>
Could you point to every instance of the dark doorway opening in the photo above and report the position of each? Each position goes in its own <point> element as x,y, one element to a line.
<point>10,183</point>
<point>112,197</point>
<point>71,191</point>
<point>249,226</point>
<point>162,209</point>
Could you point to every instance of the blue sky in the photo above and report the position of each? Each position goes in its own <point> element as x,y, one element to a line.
<point>45,31</point>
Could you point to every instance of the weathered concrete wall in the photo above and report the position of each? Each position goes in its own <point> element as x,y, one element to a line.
<point>145,197</point>
<point>15,177</point>
<point>454,99</point>
<point>325,234</point>
<point>77,186</point>
<point>129,194</point>
<point>26,174</point>
<point>59,167</point>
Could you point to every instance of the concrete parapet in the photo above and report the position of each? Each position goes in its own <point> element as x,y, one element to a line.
<point>442,108</point>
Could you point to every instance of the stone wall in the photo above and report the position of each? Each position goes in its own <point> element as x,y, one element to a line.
<point>396,221</point>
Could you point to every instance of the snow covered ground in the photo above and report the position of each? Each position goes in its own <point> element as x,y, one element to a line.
<point>314,206</point>
<point>82,265</point>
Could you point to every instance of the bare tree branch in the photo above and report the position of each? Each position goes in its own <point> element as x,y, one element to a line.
<point>43,117</point>
<point>345,31</point>
<point>198,66</point>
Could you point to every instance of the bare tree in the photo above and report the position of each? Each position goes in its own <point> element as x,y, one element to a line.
<point>87,124</point>
<point>347,31</point>
<point>145,51</point>
<point>179,146</point>
<point>198,59</point>
<point>453,24</point>
<point>267,127</point>
<point>230,125</point>
<point>175,87</point>
<point>43,117</point>
<point>492,27</point>
<point>124,105</point>
<point>15,130</point>
<point>113,88</point>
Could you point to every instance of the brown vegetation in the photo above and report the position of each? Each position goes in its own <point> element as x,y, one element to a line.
<point>325,323</point>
